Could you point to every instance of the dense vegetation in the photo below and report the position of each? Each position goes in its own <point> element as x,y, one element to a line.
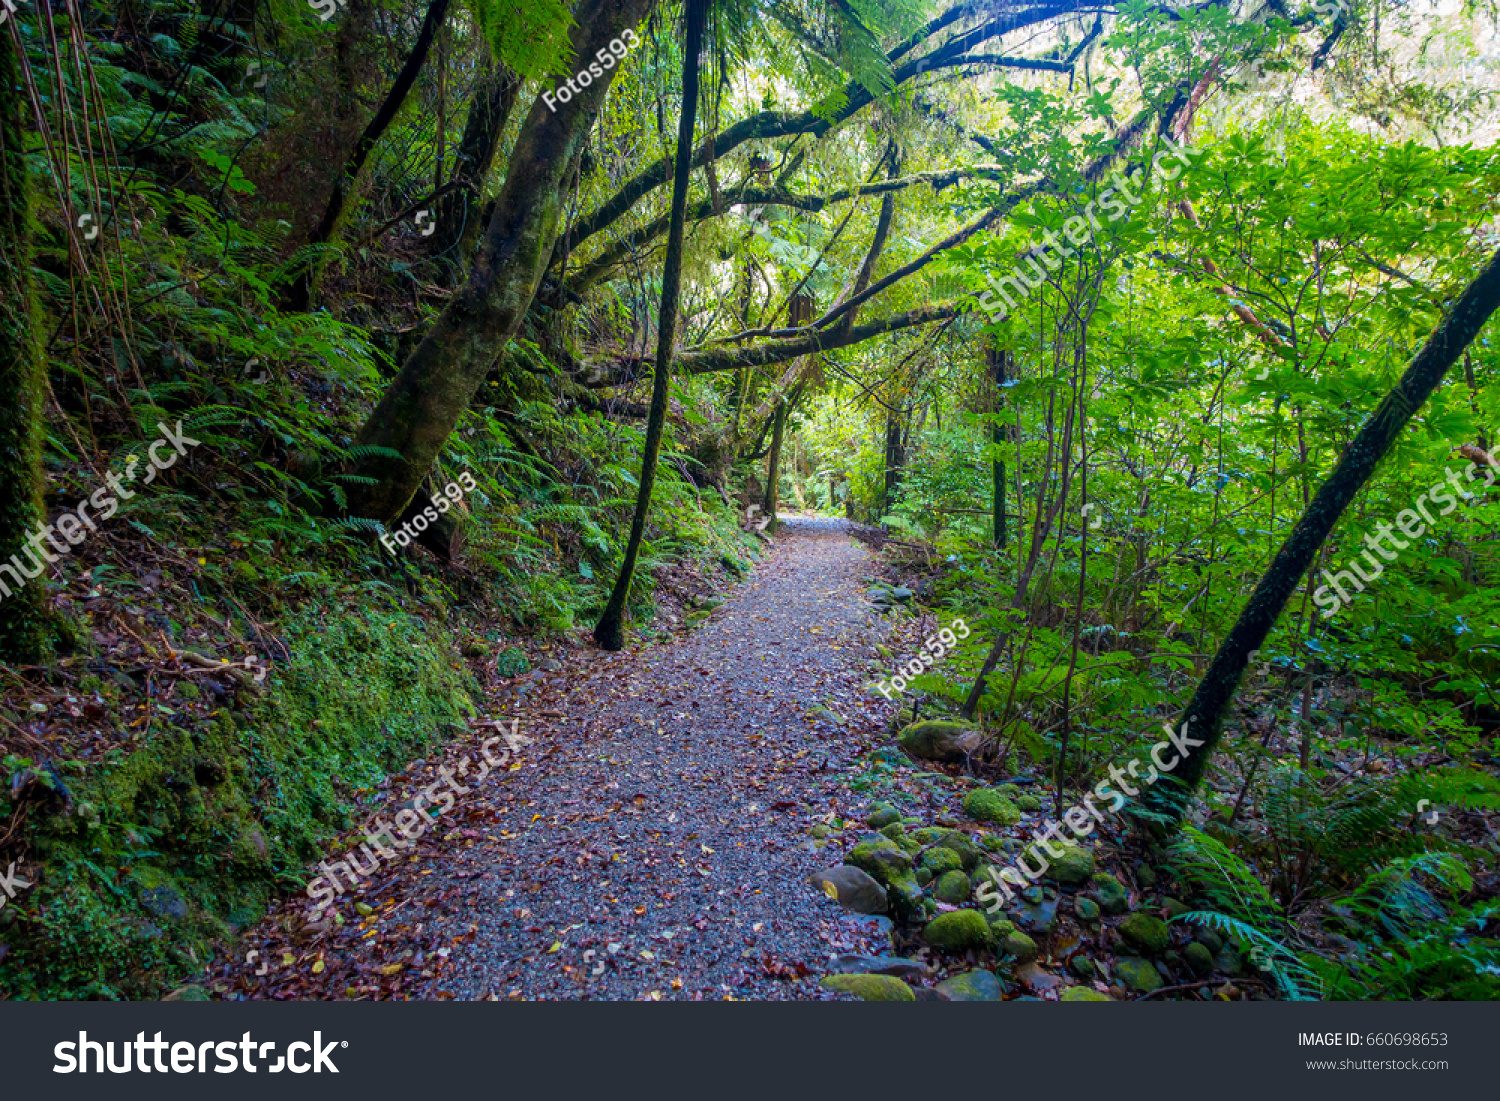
<point>356,255</point>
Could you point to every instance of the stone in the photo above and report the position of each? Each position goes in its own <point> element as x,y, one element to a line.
<point>852,888</point>
<point>1035,979</point>
<point>902,595</point>
<point>1148,935</point>
<point>1022,947</point>
<point>1086,909</point>
<point>1138,974</point>
<point>957,932</point>
<point>1229,961</point>
<point>1028,803</point>
<point>1174,908</point>
<point>961,843</point>
<point>988,805</point>
<point>1111,893</point>
<point>940,740</point>
<point>971,986</point>
<point>879,965</point>
<point>952,888</point>
<point>940,860</point>
<point>1209,938</point>
<point>819,831</point>
<point>1145,877</point>
<point>1037,918</point>
<point>1073,868</point>
<point>924,876</point>
<point>1199,958</point>
<point>882,814</point>
<point>552,665</point>
<point>894,830</point>
<point>1082,966</point>
<point>889,866</point>
<point>870,988</point>
<point>1083,994</point>
<point>929,835</point>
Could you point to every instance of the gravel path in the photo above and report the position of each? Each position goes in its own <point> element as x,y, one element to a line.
<point>654,841</point>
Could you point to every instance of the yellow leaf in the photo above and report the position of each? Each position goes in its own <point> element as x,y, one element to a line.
<point>287,959</point>
<point>318,967</point>
<point>556,947</point>
<point>390,969</point>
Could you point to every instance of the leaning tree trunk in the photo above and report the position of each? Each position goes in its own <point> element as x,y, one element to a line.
<point>438,382</point>
<point>300,295</point>
<point>24,626</point>
<point>609,631</point>
<point>1205,712</point>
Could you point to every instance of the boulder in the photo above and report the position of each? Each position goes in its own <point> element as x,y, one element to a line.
<point>1138,974</point>
<point>961,843</point>
<point>889,866</point>
<point>852,888</point>
<point>988,805</point>
<point>952,888</point>
<point>1111,893</point>
<point>1022,947</point>
<point>1083,994</point>
<point>940,740</point>
<point>870,988</point>
<point>1073,868</point>
<point>882,814</point>
<point>1199,958</point>
<point>938,860</point>
<point>971,986</point>
<point>1148,935</point>
<point>957,932</point>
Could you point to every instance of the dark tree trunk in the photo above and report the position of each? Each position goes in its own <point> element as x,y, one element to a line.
<point>300,295</point>
<point>1205,712</point>
<point>24,624</point>
<point>438,381</point>
<point>609,632</point>
<point>458,221</point>
<point>895,457</point>
<point>773,464</point>
<point>1000,362</point>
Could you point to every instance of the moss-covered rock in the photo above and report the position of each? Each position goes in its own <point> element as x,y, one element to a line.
<point>988,805</point>
<point>1199,958</point>
<point>870,988</point>
<point>957,931</point>
<point>1138,974</point>
<point>890,866</point>
<point>1083,994</point>
<point>1028,803</point>
<point>952,888</point>
<point>894,830</point>
<point>1082,966</point>
<point>882,814</point>
<point>940,740</point>
<point>1086,909</point>
<point>1174,907</point>
<point>970,854</point>
<point>1073,868</point>
<point>1148,935</point>
<point>512,662</point>
<point>1020,946</point>
<point>972,986</point>
<point>1111,893</point>
<point>939,860</point>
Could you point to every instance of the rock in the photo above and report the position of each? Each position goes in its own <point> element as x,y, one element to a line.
<point>1035,979</point>
<point>164,903</point>
<point>924,877</point>
<point>852,888</point>
<point>929,835</point>
<point>1145,877</point>
<point>879,965</point>
<point>1209,939</point>
<point>819,831</point>
<point>1174,908</point>
<point>902,595</point>
<point>1111,893</point>
<point>940,740</point>
<point>940,860</point>
<point>1072,868</point>
<point>1028,803</point>
<point>971,986</point>
<point>882,814</point>
<point>952,888</point>
<point>1083,994</point>
<point>957,931</point>
<point>1086,909</point>
<point>870,988</point>
<point>961,843</point>
<point>1147,934</point>
<point>552,665</point>
<point>885,861</point>
<point>1000,927</point>
<point>1082,966</point>
<point>1037,918</point>
<point>1199,958</point>
<point>476,649</point>
<point>1228,961</point>
<point>1138,974</point>
<point>894,830</point>
<point>1022,947</point>
<point>885,652</point>
<point>988,805</point>
<point>910,846</point>
<point>512,662</point>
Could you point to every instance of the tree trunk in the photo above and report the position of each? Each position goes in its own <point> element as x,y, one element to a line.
<point>1000,362</point>
<point>773,465</point>
<point>24,624</point>
<point>895,458</point>
<point>609,631</point>
<point>438,381</point>
<point>1205,712</point>
<point>458,222</point>
<point>300,295</point>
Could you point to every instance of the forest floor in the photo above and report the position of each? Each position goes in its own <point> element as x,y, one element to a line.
<point>651,840</point>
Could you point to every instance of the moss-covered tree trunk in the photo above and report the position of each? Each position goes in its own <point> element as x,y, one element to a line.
<point>999,363</point>
<point>440,378</point>
<point>771,499</point>
<point>1204,717</point>
<point>458,220</point>
<point>24,625</point>
<point>609,632</point>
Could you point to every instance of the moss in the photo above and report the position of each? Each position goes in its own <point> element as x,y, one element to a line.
<point>187,838</point>
<point>988,805</point>
<point>870,988</point>
<point>940,860</point>
<point>1019,945</point>
<point>1138,974</point>
<point>957,931</point>
<point>1084,994</point>
<point>1072,868</point>
<point>952,888</point>
<point>1111,893</point>
<point>1145,933</point>
<point>512,662</point>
